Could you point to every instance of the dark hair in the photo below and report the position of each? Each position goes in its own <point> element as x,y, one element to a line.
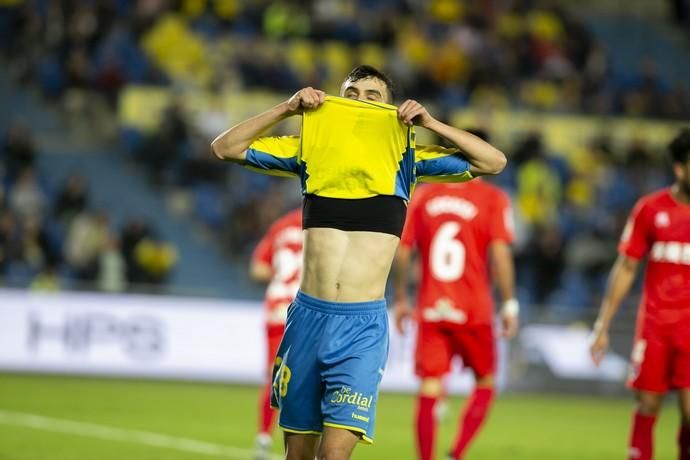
<point>366,71</point>
<point>680,146</point>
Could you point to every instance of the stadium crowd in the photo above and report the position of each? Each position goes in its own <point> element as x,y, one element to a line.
<point>525,53</point>
<point>521,53</point>
<point>51,237</point>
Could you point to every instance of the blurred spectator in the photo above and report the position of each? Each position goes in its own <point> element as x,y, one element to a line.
<point>112,268</point>
<point>544,260</point>
<point>538,184</point>
<point>148,259</point>
<point>213,118</point>
<point>72,198</point>
<point>26,198</point>
<point>18,151</point>
<point>9,240</point>
<point>134,232</point>
<point>86,240</point>
<point>37,248</point>
<point>155,260</point>
<point>164,149</point>
<point>47,280</point>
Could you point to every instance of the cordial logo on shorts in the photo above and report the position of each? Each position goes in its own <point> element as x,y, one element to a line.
<point>346,396</point>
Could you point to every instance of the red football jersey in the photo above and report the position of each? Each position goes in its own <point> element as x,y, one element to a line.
<point>659,226</point>
<point>281,248</point>
<point>452,225</point>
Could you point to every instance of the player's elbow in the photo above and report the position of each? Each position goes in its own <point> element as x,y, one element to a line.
<point>629,264</point>
<point>223,150</point>
<point>218,150</point>
<point>489,166</point>
<point>496,164</point>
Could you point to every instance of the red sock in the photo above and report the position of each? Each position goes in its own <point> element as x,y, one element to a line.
<point>426,427</point>
<point>641,438</point>
<point>472,418</point>
<point>266,412</point>
<point>684,442</point>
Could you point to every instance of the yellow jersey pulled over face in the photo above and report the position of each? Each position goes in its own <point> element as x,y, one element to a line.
<point>356,149</point>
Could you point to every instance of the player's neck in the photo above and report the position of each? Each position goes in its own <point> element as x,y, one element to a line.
<point>679,194</point>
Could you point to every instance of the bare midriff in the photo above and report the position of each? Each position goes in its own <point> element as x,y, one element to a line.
<point>346,266</point>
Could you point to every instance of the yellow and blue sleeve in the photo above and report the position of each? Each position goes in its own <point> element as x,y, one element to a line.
<point>277,156</point>
<point>434,163</point>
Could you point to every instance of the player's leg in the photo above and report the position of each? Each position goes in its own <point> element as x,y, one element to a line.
<point>641,445</point>
<point>297,383</point>
<point>351,362</point>
<point>267,414</point>
<point>301,446</point>
<point>681,381</point>
<point>432,361</point>
<point>274,334</point>
<point>337,443</point>
<point>477,347</point>
<point>649,379</point>
<point>684,430</point>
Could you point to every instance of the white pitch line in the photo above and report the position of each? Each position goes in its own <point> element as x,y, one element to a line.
<point>110,433</point>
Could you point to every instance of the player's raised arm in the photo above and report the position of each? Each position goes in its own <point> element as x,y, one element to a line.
<point>484,158</point>
<point>233,143</point>
<point>620,280</point>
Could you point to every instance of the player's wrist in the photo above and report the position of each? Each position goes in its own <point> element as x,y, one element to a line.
<point>510,307</point>
<point>600,327</point>
<point>284,109</point>
<point>430,123</point>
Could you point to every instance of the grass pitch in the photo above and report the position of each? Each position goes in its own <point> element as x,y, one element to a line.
<point>67,418</point>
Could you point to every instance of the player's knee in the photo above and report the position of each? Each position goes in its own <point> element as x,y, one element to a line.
<point>300,447</point>
<point>305,454</point>
<point>649,403</point>
<point>334,453</point>
<point>487,381</point>
<point>431,387</point>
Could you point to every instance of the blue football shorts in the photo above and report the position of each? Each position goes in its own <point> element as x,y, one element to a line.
<point>329,366</point>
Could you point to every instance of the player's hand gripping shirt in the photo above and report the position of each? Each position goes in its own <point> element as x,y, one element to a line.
<point>355,149</point>
<point>452,226</point>
<point>659,226</point>
<point>281,249</point>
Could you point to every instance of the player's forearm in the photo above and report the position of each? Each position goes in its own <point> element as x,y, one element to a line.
<point>484,158</point>
<point>503,270</point>
<point>620,281</point>
<point>401,270</point>
<point>233,143</point>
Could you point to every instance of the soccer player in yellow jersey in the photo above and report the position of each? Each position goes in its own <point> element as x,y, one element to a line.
<point>358,163</point>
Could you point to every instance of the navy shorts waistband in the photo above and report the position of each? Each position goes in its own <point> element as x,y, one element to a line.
<point>340,308</point>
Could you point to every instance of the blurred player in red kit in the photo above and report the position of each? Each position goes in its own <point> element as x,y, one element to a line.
<point>462,232</point>
<point>659,229</point>
<point>277,260</point>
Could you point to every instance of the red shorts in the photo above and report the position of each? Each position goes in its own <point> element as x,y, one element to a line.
<point>274,334</point>
<point>660,359</point>
<point>437,343</point>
